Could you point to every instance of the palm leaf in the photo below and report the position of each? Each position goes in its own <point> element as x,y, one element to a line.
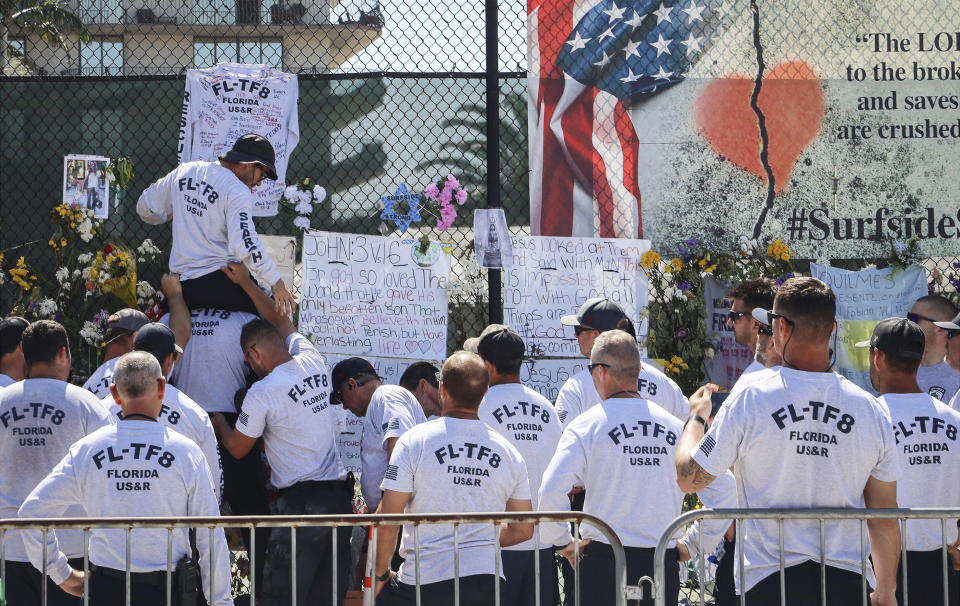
<point>52,20</point>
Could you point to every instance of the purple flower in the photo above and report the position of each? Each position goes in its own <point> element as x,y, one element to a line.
<point>445,196</point>
<point>900,247</point>
<point>930,288</point>
<point>682,333</point>
<point>684,286</point>
<point>452,181</point>
<point>779,281</point>
<point>692,243</point>
<point>461,197</point>
<point>431,191</point>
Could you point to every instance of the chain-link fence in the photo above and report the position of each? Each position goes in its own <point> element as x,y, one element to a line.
<point>389,92</point>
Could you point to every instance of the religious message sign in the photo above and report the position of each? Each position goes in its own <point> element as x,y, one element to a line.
<point>551,277</point>
<point>864,298</point>
<point>832,126</point>
<point>376,296</point>
<point>730,358</point>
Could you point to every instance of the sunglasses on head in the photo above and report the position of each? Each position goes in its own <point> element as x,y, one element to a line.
<point>915,318</point>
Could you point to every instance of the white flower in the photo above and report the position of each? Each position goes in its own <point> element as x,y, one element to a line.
<point>708,353</point>
<point>62,274</point>
<point>47,308</point>
<point>304,208</point>
<point>868,266</point>
<point>824,262</point>
<point>85,274</point>
<point>145,290</point>
<point>290,192</point>
<point>85,229</point>
<point>147,249</point>
<point>77,273</point>
<point>302,222</point>
<point>65,286</point>
<point>90,333</point>
<point>304,197</point>
<point>319,194</point>
<point>85,258</point>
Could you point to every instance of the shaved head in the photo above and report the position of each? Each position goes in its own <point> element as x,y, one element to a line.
<point>619,350</point>
<point>464,379</point>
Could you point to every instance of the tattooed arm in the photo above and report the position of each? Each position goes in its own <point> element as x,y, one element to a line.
<point>690,476</point>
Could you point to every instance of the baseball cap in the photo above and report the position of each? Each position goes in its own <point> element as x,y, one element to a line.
<point>250,149</point>
<point>599,314</point>
<point>502,344</point>
<point>952,325</point>
<point>127,319</point>
<point>11,332</point>
<point>472,343</point>
<point>157,339</point>
<point>763,316</point>
<point>343,371</point>
<point>898,337</point>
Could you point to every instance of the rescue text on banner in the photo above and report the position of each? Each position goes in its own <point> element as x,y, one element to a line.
<point>551,277</point>
<point>374,296</point>
<point>864,298</point>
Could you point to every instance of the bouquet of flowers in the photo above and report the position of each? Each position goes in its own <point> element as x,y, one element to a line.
<point>301,198</point>
<point>438,202</point>
<point>114,270</point>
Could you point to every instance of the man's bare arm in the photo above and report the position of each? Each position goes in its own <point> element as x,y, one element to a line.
<point>690,476</point>
<point>884,540</point>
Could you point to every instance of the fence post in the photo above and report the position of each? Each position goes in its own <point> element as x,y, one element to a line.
<point>495,296</point>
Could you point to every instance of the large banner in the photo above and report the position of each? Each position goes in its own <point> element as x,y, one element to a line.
<point>864,298</point>
<point>374,296</point>
<point>551,277</point>
<point>832,126</point>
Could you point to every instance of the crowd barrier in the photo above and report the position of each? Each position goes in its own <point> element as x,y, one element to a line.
<point>334,521</point>
<point>675,529</point>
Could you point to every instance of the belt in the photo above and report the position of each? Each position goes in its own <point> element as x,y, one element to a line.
<point>157,578</point>
<point>318,484</point>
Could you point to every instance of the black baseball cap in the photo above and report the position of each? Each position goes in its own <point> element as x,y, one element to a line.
<point>158,339</point>
<point>250,149</point>
<point>11,332</point>
<point>952,325</point>
<point>502,344</point>
<point>599,314</point>
<point>472,343</point>
<point>343,371</point>
<point>898,337</point>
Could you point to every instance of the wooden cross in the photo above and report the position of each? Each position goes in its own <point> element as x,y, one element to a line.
<point>836,186</point>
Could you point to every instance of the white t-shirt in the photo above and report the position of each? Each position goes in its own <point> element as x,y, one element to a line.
<point>621,452</point>
<point>800,439</point>
<point>212,351</point>
<point>212,214</point>
<point>99,382</point>
<point>752,367</point>
<point>929,450</point>
<point>134,469</point>
<point>955,402</point>
<point>579,394</point>
<point>291,409</point>
<point>184,416</point>
<point>529,422</point>
<point>939,380</point>
<point>5,380</point>
<point>392,411</point>
<point>453,465</point>
<point>39,420</point>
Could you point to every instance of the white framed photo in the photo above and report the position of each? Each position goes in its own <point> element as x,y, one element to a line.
<point>85,183</point>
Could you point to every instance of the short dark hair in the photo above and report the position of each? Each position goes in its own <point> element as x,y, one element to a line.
<point>506,366</point>
<point>258,329</point>
<point>11,331</point>
<point>42,341</point>
<point>810,305</point>
<point>758,292</point>
<point>941,306</point>
<point>466,379</point>
<point>627,326</point>
<point>416,371</point>
<point>906,366</point>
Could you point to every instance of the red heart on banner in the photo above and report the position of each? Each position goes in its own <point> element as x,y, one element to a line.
<point>791,100</point>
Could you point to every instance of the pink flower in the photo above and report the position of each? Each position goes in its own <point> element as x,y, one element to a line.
<point>461,197</point>
<point>452,181</point>
<point>431,191</point>
<point>445,196</point>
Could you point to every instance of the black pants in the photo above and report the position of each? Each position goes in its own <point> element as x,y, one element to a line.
<point>475,590</point>
<point>724,590</point>
<point>519,570</point>
<point>598,581</point>
<point>315,572</point>
<point>109,589</point>
<point>23,587</point>
<point>844,588</point>
<point>576,504</point>
<point>217,291</point>
<point>245,490</point>
<point>925,579</point>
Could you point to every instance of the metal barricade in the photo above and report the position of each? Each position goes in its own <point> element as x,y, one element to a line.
<point>375,522</point>
<point>669,536</point>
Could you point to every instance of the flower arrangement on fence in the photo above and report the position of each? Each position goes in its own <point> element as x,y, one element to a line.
<point>301,198</point>
<point>440,201</point>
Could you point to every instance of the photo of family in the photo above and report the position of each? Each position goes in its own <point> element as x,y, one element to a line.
<point>85,183</point>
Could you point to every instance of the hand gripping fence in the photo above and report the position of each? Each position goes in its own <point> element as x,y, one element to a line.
<point>209,524</point>
<point>780,516</point>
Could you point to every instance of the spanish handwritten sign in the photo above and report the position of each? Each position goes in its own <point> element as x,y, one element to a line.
<point>376,296</point>
<point>864,298</point>
<point>551,277</point>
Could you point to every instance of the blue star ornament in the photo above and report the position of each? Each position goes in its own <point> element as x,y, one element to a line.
<point>390,214</point>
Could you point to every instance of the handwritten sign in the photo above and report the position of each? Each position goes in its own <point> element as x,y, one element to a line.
<point>376,296</point>
<point>283,249</point>
<point>864,298</point>
<point>551,277</point>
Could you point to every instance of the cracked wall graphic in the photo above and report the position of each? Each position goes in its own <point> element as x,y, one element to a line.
<point>833,126</point>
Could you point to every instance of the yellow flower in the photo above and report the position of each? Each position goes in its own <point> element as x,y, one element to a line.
<point>63,242</point>
<point>649,259</point>
<point>52,244</point>
<point>675,265</point>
